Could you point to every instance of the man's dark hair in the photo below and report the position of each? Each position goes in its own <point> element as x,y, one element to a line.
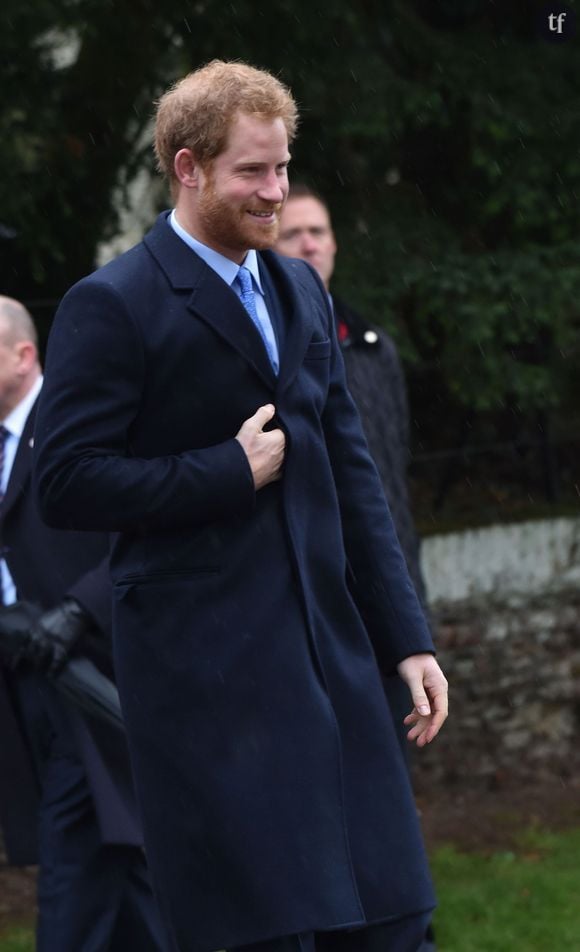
<point>302,190</point>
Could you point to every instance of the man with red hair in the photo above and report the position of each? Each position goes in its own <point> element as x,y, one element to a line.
<point>195,404</point>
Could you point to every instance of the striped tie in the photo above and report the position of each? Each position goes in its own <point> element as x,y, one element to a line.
<point>4,434</point>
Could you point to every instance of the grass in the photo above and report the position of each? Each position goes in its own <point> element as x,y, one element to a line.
<point>526,900</point>
<point>523,900</point>
<point>17,940</point>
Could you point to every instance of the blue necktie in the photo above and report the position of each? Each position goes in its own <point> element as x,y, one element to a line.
<point>249,301</point>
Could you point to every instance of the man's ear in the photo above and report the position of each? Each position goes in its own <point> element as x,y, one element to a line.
<point>27,356</point>
<point>186,168</point>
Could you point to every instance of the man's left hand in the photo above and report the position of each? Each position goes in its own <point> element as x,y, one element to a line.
<point>428,687</point>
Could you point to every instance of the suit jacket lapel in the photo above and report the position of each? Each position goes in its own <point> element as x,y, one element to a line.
<point>211,299</point>
<point>296,307</point>
<point>22,465</point>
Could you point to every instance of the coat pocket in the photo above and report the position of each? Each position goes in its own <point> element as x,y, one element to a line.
<point>318,350</point>
<point>161,578</point>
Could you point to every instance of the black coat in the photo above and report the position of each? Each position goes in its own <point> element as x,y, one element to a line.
<point>272,789</point>
<point>47,564</point>
<point>377,383</point>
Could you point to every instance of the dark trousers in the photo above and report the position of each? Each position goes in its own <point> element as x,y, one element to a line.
<point>404,935</point>
<point>92,897</point>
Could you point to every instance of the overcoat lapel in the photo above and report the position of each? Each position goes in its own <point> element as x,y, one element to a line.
<point>297,311</point>
<point>21,468</point>
<point>216,304</point>
<point>220,308</point>
<point>212,299</point>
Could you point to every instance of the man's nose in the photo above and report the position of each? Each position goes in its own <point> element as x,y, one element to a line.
<point>309,244</point>
<point>272,189</point>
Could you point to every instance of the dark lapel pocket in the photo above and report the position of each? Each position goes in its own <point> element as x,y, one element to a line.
<point>318,350</point>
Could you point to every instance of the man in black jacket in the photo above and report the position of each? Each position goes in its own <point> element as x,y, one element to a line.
<point>66,798</point>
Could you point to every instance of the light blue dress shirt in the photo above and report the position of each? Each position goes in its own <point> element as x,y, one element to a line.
<point>227,270</point>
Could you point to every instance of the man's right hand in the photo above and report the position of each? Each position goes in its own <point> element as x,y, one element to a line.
<point>16,621</point>
<point>42,639</point>
<point>265,450</point>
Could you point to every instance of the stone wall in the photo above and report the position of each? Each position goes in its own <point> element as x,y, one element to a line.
<point>506,606</point>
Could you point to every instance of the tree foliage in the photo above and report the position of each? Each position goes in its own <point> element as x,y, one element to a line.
<point>78,77</point>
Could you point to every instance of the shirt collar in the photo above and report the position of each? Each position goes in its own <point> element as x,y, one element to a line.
<point>16,419</point>
<point>224,267</point>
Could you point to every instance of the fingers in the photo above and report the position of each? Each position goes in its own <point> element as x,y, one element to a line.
<point>424,729</point>
<point>420,699</point>
<point>428,688</point>
<point>262,416</point>
<point>264,449</point>
<point>421,706</point>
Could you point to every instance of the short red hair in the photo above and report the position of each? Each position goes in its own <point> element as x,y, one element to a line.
<point>197,111</point>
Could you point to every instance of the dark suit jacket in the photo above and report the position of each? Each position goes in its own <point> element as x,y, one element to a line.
<point>273,793</point>
<point>47,564</point>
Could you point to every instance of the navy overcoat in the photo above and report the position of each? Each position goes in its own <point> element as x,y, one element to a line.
<point>247,626</point>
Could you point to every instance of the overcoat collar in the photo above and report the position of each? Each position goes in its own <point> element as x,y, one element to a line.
<point>360,332</point>
<point>22,465</point>
<point>218,305</point>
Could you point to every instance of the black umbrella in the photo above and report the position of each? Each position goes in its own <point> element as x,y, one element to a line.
<point>79,680</point>
<point>82,682</point>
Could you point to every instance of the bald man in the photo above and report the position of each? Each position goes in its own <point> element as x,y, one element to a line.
<point>66,799</point>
